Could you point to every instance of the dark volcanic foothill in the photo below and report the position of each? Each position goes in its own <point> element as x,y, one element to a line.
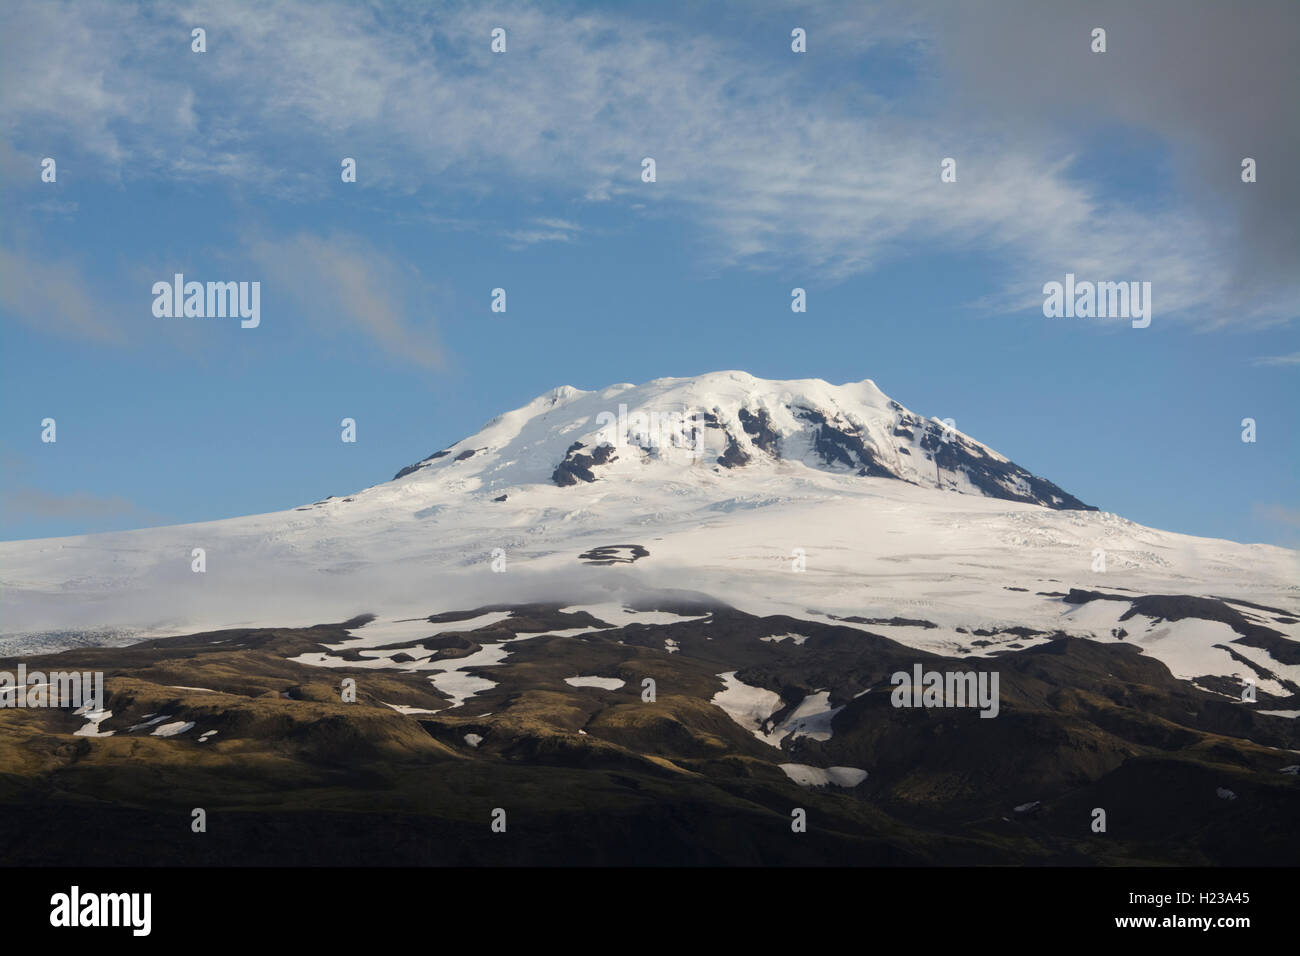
<point>296,775</point>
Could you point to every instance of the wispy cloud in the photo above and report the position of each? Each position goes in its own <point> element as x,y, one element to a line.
<point>343,283</point>
<point>1280,514</point>
<point>36,502</point>
<point>1284,519</point>
<point>53,296</point>
<point>1197,78</point>
<point>1292,359</point>
<point>774,169</point>
<point>545,230</point>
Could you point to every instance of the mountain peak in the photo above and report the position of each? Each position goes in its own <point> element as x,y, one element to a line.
<point>728,423</point>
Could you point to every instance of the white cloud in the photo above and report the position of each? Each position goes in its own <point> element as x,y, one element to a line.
<point>775,170</point>
<point>564,225</point>
<point>545,230</point>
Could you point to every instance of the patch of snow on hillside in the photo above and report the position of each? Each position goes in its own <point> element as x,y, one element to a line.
<point>604,683</point>
<point>751,707</point>
<point>172,729</point>
<point>812,718</point>
<point>807,776</point>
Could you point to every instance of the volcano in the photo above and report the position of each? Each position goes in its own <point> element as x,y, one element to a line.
<point>650,620</point>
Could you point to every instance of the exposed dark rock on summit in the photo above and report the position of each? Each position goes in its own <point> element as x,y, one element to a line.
<point>410,469</point>
<point>577,466</point>
<point>734,456</point>
<point>758,426</point>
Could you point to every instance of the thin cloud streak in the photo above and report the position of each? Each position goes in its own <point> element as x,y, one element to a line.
<point>771,174</point>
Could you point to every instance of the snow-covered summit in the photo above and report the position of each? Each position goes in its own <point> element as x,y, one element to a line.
<point>694,429</point>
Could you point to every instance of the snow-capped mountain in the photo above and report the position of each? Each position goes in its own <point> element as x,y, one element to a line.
<point>766,557</point>
<point>775,497</point>
<point>674,430</point>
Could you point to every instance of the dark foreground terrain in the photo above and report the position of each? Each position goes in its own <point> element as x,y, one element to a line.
<point>589,776</point>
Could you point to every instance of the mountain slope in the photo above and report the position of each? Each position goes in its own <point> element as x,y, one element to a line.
<point>748,492</point>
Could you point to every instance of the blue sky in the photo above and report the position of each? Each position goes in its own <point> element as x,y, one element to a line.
<point>522,171</point>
